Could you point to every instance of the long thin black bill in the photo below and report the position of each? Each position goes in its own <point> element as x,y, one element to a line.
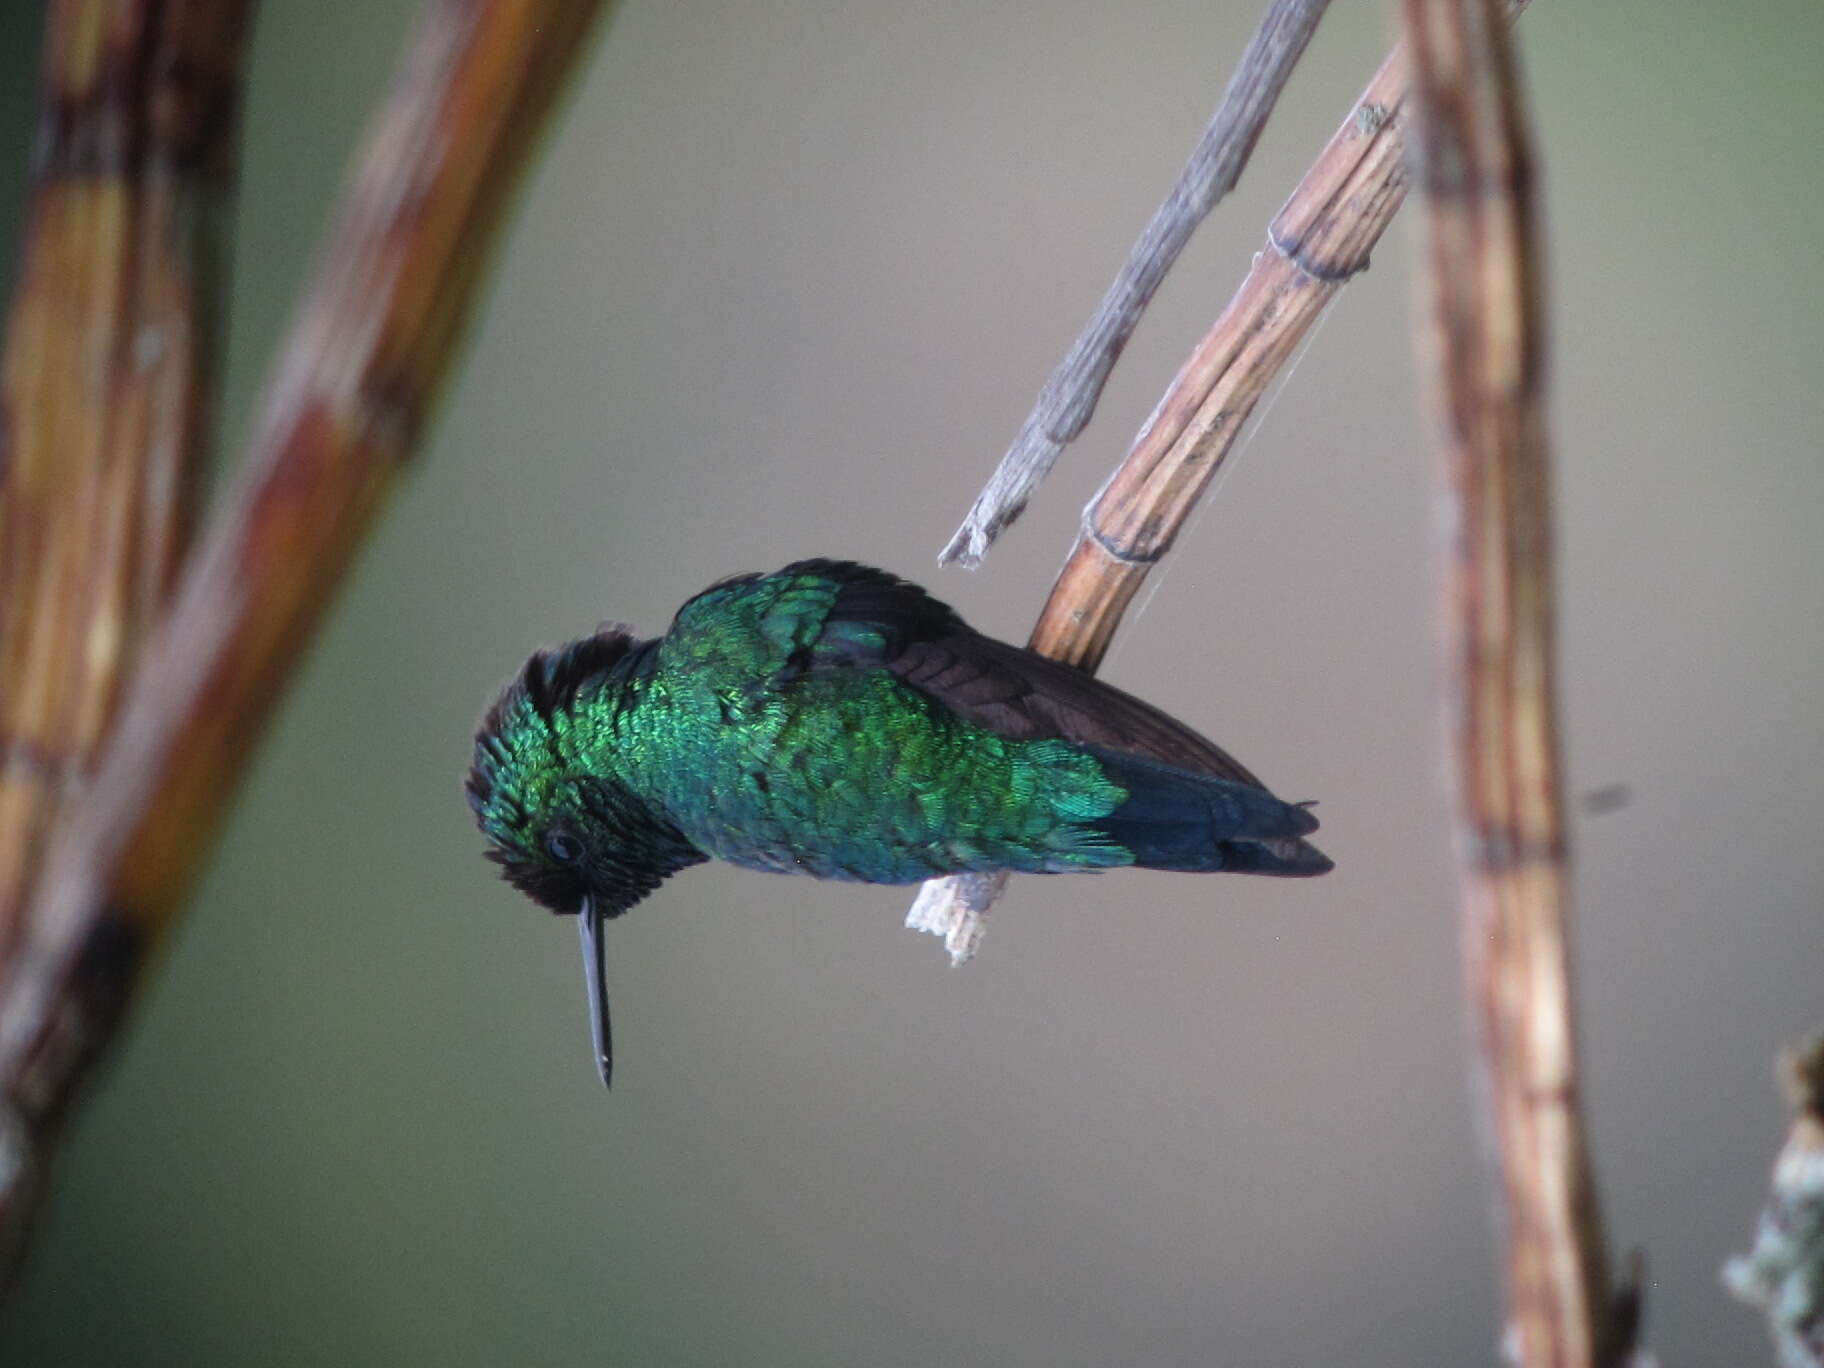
<point>589,927</point>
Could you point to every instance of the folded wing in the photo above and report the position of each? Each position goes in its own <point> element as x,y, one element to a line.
<point>1193,805</point>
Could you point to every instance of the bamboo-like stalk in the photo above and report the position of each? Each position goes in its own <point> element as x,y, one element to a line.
<point>341,416</point>
<point>1317,242</point>
<point>104,386</point>
<point>1486,348</point>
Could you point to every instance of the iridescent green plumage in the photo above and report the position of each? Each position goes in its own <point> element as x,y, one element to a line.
<point>832,720</point>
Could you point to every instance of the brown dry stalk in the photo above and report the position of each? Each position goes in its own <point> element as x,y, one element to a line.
<point>1486,347</point>
<point>104,393</point>
<point>1318,241</point>
<point>341,416</point>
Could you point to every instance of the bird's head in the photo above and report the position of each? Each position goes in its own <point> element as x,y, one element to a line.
<point>540,784</point>
<point>562,826</point>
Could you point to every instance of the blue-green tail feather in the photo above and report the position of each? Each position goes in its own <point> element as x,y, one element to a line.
<point>1175,819</point>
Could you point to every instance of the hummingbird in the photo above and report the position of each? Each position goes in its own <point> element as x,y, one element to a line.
<point>834,720</point>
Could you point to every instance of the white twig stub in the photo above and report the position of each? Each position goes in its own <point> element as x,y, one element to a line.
<point>956,908</point>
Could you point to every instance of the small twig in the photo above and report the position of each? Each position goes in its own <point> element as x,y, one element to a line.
<point>1487,349</point>
<point>1069,398</point>
<point>1784,1275</point>
<point>104,389</point>
<point>341,416</point>
<point>1314,245</point>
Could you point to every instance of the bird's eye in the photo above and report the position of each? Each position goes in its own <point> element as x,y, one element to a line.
<point>563,848</point>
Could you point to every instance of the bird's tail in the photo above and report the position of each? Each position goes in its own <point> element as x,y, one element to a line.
<point>1177,819</point>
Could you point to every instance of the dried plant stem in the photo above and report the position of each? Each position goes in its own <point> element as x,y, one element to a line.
<point>1487,349</point>
<point>342,415</point>
<point>1068,400</point>
<point>1318,241</point>
<point>104,394</point>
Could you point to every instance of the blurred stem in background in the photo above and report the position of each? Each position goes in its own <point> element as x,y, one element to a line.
<point>1486,349</point>
<point>107,812</point>
<point>105,398</point>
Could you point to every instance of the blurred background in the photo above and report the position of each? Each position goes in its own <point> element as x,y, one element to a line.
<point>783,284</point>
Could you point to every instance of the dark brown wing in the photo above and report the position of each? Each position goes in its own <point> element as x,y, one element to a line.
<point>1019,693</point>
<point>876,619</point>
